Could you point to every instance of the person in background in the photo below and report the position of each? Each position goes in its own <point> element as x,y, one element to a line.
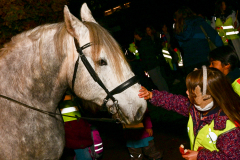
<point>151,32</point>
<point>226,60</point>
<point>77,131</point>
<point>171,53</point>
<point>213,110</point>
<point>139,140</point>
<point>157,41</point>
<point>192,40</point>
<point>170,56</point>
<point>225,23</point>
<point>148,51</point>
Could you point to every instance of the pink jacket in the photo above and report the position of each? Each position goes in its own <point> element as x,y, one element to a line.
<point>137,134</point>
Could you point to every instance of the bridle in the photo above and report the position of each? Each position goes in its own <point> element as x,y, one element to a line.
<point>115,107</point>
<point>94,75</point>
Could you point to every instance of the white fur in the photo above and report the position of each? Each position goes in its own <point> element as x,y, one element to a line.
<point>36,68</point>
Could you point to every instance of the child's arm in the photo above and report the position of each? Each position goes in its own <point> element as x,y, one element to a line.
<point>177,103</point>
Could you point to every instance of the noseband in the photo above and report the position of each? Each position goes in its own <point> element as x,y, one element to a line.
<point>94,75</point>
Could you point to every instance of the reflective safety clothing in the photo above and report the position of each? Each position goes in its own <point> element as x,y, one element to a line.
<point>226,30</point>
<point>132,48</point>
<point>167,55</point>
<point>180,61</point>
<point>69,107</point>
<point>236,86</point>
<point>207,136</point>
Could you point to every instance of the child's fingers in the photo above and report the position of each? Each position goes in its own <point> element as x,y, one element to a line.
<point>142,92</point>
<point>144,95</point>
<point>141,95</point>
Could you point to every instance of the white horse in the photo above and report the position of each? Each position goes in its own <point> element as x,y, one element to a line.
<point>36,68</point>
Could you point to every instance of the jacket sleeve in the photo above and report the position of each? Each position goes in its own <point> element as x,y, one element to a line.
<point>233,15</point>
<point>169,101</point>
<point>228,146</point>
<point>213,22</point>
<point>212,33</point>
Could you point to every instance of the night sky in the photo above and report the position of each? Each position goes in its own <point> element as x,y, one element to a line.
<point>141,13</point>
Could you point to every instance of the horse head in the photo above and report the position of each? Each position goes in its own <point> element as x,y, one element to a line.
<point>108,61</point>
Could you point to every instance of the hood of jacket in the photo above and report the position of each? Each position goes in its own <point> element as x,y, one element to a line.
<point>189,28</point>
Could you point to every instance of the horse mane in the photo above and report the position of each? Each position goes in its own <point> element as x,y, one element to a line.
<point>36,38</point>
<point>99,36</point>
<point>102,39</point>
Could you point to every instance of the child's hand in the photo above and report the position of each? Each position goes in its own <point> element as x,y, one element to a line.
<point>182,150</point>
<point>144,93</point>
<point>149,131</point>
<point>191,155</point>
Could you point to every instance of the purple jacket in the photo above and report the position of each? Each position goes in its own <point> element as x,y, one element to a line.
<point>228,143</point>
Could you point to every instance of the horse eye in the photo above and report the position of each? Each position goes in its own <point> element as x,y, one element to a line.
<point>102,62</point>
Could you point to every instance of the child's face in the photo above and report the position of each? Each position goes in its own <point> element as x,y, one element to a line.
<point>218,65</point>
<point>137,37</point>
<point>149,31</point>
<point>224,6</point>
<point>164,29</point>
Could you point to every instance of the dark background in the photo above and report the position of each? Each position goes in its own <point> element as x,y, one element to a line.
<point>122,23</point>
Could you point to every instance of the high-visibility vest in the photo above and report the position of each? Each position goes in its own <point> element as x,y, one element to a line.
<point>236,86</point>
<point>226,30</point>
<point>132,48</point>
<point>69,107</point>
<point>207,136</point>
<point>167,55</point>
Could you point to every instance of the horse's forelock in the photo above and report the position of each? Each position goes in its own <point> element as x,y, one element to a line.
<point>102,39</point>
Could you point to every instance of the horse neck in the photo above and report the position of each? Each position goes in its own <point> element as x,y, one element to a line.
<point>33,73</point>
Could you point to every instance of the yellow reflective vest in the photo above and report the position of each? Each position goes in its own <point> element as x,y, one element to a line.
<point>132,48</point>
<point>226,30</point>
<point>236,86</point>
<point>207,136</point>
<point>69,108</point>
<point>167,55</point>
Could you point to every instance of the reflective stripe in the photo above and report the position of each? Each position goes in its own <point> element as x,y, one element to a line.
<point>164,51</point>
<point>146,74</point>
<point>99,149</point>
<point>167,56</point>
<point>95,145</point>
<point>180,64</point>
<point>68,110</point>
<point>227,27</point>
<point>233,32</point>
<point>135,52</point>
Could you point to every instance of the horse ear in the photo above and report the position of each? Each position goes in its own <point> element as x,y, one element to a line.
<point>86,14</point>
<point>71,22</point>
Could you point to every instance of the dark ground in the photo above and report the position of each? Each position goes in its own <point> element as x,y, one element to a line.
<point>169,132</point>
